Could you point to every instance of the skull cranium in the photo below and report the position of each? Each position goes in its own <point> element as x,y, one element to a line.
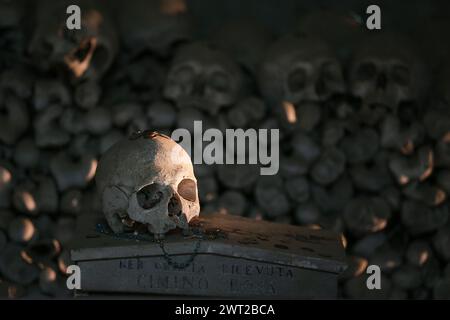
<point>147,182</point>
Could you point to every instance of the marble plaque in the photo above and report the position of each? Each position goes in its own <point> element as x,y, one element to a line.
<point>226,256</point>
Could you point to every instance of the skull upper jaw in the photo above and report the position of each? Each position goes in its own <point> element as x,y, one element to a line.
<point>162,208</point>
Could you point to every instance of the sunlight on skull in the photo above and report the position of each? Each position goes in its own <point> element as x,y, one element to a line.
<point>143,188</point>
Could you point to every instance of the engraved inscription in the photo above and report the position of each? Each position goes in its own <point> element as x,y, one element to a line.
<point>180,282</point>
<point>138,264</point>
<point>255,270</point>
<point>245,285</point>
<point>192,268</point>
<point>234,276</point>
<point>254,278</point>
<point>131,264</point>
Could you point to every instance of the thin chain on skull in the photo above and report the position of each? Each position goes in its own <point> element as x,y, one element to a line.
<point>177,265</point>
<point>135,236</point>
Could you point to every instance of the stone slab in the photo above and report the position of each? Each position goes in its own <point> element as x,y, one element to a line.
<point>231,257</point>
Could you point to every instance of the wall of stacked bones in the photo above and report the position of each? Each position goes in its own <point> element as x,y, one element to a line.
<point>364,121</point>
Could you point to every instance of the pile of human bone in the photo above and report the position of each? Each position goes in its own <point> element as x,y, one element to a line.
<point>364,122</point>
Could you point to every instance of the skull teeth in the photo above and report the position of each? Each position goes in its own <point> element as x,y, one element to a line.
<point>128,222</point>
<point>133,226</point>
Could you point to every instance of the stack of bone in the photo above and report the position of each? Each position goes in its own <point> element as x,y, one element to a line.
<point>365,132</point>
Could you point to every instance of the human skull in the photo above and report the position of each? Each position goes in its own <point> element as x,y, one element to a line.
<point>386,71</point>
<point>299,69</point>
<point>147,182</point>
<point>86,53</point>
<point>203,78</point>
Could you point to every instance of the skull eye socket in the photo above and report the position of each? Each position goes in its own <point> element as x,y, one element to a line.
<point>150,196</point>
<point>219,81</point>
<point>366,71</point>
<point>400,75</point>
<point>100,57</point>
<point>184,74</point>
<point>174,207</point>
<point>187,189</point>
<point>82,50</point>
<point>297,80</point>
<point>330,72</point>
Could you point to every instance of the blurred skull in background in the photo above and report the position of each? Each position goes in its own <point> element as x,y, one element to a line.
<point>387,71</point>
<point>87,53</point>
<point>203,78</point>
<point>300,69</point>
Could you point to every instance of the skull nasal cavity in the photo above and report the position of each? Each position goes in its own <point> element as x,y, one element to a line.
<point>149,196</point>
<point>382,81</point>
<point>83,50</point>
<point>174,207</point>
<point>187,189</point>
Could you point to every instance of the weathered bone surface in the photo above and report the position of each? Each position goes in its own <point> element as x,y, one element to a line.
<point>147,180</point>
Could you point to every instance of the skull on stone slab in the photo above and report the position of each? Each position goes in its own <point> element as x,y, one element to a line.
<point>386,71</point>
<point>203,78</point>
<point>147,182</point>
<point>87,53</point>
